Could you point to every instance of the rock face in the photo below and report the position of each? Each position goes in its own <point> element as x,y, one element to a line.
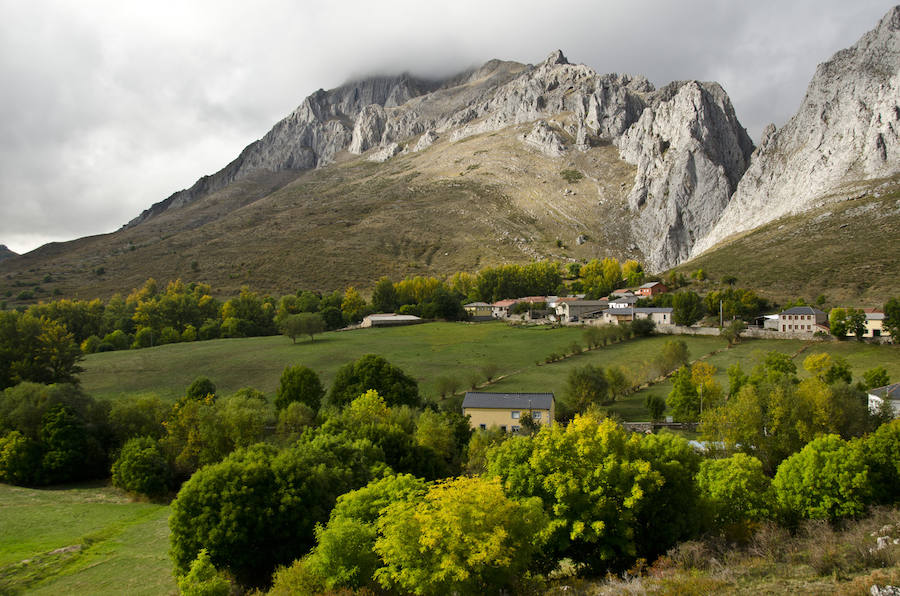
<point>685,140</point>
<point>846,130</point>
<point>690,151</point>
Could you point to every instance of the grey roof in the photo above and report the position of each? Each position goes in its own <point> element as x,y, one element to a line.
<point>650,284</point>
<point>802,310</point>
<point>587,302</point>
<point>523,401</point>
<point>625,300</point>
<point>892,391</point>
<point>476,304</point>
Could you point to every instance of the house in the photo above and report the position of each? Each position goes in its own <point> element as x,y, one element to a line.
<point>621,293</point>
<point>800,319</point>
<point>573,310</point>
<point>478,311</point>
<point>500,309</point>
<point>660,316</point>
<point>504,410</point>
<point>874,323</point>
<point>651,288</point>
<point>888,392</point>
<point>389,320</point>
<point>624,301</point>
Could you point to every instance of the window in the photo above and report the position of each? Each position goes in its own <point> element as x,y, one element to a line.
<point>503,427</point>
<point>536,415</point>
<point>482,426</point>
<point>515,429</point>
<point>515,414</point>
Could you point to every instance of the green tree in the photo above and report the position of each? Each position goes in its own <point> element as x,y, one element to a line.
<point>384,296</point>
<point>736,490</point>
<point>257,509</point>
<point>463,536</point>
<point>587,385</point>
<point>856,323</point>
<point>892,317</point>
<point>353,306</point>
<point>674,354</point>
<point>142,468</point>
<point>200,388</point>
<point>141,416</point>
<point>304,323</point>
<point>373,372</point>
<point>876,377</point>
<point>683,400</point>
<point>687,308</point>
<point>655,406</point>
<point>203,579</point>
<point>838,323</point>
<point>20,459</point>
<point>299,384</point>
<point>732,331</point>
<point>827,479</point>
<point>882,453</point>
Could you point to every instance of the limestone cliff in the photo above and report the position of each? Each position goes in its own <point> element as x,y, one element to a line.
<point>845,131</point>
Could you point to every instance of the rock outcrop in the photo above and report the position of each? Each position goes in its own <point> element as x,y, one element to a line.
<point>691,152</point>
<point>846,130</point>
<point>545,139</point>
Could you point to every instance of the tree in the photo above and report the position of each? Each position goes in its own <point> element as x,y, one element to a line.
<point>463,536</point>
<point>687,308</point>
<point>299,384</point>
<point>353,306</point>
<point>892,317</point>
<point>587,385</point>
<point>142,468</point>
<point>601,487</point>
<point>344,555</point>
<point>384,296</point>
<point>876,377</point>
<point>258,508</point>
<point>203,579</point>
<point>838,323</point>
<point>305,323</point>
<point>736,490</point>
<point>20,459</point>
<point>643,327</point>
<point>674,354</point>
<point>200,388</point>
<point>684,401</point>
<point>827,479</point>
<point>617,382</point>
<point>856,323</point>
<point>882,453</point>
<point>732,331</point>
<point>655,406</point>
<point>373,372</point>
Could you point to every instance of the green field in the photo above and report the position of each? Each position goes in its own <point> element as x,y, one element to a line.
<point>430,351</point>
<point>88,539</point>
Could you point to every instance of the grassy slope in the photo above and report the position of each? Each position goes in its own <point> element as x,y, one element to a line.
<point>847,251</point>
<point>430,351</point>
<point>484,200</point>
<point>123,544</point>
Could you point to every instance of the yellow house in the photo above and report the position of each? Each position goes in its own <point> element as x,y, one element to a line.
<point>504,410</point>
<point>479,310</point>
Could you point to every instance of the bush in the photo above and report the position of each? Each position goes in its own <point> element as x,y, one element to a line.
<point>827,479</point>
<point>735,488</point>
<point>571,176</point>
<point>373,372</point>
<point>203,579</point>
<point>200,388</point>
<point>142,468</point>
<point>299,384</point>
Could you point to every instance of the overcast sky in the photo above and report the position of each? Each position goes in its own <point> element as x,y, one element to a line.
<point>110,106</point>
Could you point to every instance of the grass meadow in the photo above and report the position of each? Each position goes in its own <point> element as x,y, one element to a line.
<point>84,539</point>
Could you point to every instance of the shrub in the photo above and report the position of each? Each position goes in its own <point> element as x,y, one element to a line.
<point>827,479</point>
<point>200,388</point>
<point>142,468</point>
<point>203,579</point>
<point>736,489</point>
<point>299,384</point>
<point>571,176</point>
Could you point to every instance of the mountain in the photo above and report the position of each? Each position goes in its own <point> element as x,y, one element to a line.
<point>505,163</point>
<point>845,134</point>
<point>685,140</point>
<point>5,253</point>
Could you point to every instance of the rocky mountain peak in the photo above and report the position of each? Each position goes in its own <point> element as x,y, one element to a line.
<point>847,130</point>
<point>556,57</point>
